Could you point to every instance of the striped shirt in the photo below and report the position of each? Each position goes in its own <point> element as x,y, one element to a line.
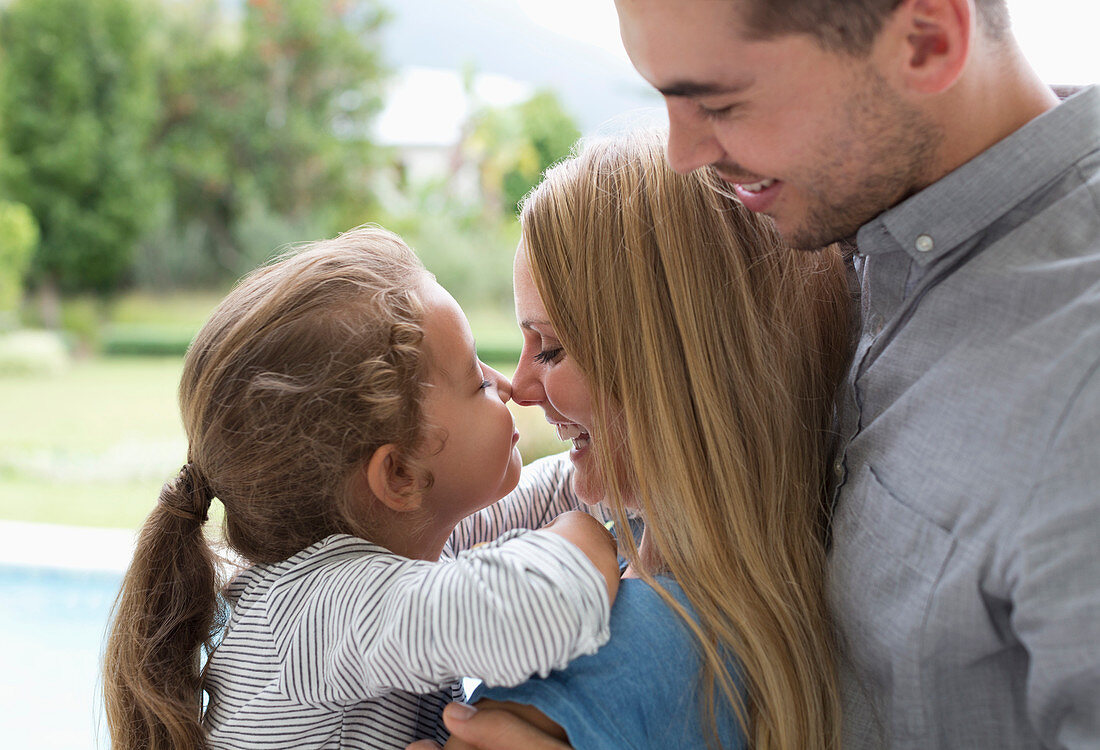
<point>346,645</point>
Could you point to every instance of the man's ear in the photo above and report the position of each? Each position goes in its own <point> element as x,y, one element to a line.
<point>932,40</point>
<point>390,480</point>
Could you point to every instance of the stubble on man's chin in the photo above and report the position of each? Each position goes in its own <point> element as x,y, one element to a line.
<point>898,159</point>
<point>819,236</point>
<point>835,222</point>
<point>830,222</point>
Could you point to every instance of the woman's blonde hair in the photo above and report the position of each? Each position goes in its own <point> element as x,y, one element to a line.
<point>301,373</point>
<point>712,353</point>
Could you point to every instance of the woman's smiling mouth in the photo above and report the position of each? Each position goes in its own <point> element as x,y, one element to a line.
<point>573,432</point>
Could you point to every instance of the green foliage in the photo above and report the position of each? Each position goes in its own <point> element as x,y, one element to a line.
<point>147,340</point>
<point>187,255</point>
<point>81,320</point>
<point>516,145</point>
<point>76,90</point>
<point>18,240</point>
<point>469,251</point>
<point>264,132</point>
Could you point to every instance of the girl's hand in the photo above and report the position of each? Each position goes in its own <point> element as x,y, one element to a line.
<point>594,540</point>
<point>497,726</point>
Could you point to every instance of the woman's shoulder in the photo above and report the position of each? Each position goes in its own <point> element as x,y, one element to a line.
<point>642,689</point>
<point>647,635</point>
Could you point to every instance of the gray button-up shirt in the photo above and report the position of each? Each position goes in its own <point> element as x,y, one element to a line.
<point>965,566</point>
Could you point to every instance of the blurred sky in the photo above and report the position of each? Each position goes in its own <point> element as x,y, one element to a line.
<point>1060,37</point>
<point>573,47</point>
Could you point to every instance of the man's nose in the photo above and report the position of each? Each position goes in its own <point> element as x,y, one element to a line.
<point>691,141</point>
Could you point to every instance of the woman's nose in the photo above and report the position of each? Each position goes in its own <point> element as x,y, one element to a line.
<point>526,388</point>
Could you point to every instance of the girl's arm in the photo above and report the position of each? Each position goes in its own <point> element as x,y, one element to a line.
<point>525,604</point>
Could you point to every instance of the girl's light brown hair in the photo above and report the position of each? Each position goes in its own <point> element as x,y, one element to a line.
<point>712,354</point>
<point>307,367</point>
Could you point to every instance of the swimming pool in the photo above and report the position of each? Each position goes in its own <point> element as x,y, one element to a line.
<point>57,585</point>
<point>52,622</point>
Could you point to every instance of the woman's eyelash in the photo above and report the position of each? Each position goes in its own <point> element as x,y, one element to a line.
<point>485,384</point>
<point>547,356</point>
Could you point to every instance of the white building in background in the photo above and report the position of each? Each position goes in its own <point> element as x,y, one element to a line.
<point>424,123</point>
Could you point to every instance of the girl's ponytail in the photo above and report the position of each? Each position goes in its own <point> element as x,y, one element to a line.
<point>167,610</point>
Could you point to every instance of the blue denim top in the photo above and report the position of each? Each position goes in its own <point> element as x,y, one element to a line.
<point>640,690</point>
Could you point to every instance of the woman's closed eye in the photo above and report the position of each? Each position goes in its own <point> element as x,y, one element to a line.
<point>548,356</point>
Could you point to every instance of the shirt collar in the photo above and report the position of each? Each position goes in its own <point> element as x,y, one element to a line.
<point>969,199</point>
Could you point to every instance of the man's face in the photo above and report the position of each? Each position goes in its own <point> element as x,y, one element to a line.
<point>820,141</point>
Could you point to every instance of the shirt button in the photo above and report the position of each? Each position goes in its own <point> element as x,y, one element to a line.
<point>925,243</point>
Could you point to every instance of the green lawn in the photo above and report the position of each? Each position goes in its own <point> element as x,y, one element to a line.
<point>93,445</point>
<point>90,446</point>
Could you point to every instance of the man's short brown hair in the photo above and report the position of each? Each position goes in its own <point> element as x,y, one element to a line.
<point>846,25</point>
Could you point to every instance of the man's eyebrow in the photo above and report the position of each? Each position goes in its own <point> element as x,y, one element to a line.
<point>697,88</point>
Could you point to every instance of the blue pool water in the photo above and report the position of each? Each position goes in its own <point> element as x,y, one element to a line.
<point>52,624</point>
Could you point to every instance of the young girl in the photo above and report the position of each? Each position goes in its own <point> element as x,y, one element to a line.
<point>335,405</point>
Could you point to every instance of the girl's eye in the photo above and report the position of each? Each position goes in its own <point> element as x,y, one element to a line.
<point>548,356</point>
<point>485,384</point>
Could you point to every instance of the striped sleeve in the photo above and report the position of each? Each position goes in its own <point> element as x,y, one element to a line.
<point>545,491</point>
<point>525,604</point>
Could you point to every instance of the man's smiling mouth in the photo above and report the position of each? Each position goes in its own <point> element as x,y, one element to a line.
<point>758,187</point>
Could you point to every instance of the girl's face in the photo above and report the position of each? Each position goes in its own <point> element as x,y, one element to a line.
<point>465,405</point>
<point>547,377</point>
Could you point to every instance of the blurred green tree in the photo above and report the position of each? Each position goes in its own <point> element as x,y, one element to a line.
<point>18,239</point>
<point>514,145</point>
<point>264,129</point>
<point>78,101</point>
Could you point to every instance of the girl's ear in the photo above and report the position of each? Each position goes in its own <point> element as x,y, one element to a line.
<point>391,482</point>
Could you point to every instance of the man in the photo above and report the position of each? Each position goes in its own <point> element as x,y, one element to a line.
<point>965,563</point>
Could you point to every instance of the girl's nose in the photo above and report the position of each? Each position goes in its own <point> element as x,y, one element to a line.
<point>504,385</point>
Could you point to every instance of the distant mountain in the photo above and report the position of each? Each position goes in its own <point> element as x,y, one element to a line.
<point>494,36</point>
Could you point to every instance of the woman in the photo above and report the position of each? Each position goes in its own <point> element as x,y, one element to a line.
<point>692,360</point>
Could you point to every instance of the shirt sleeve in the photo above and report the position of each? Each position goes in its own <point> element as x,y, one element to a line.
<point>522,605</point>
<point>1055,580</point>
<point>545,490</point>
